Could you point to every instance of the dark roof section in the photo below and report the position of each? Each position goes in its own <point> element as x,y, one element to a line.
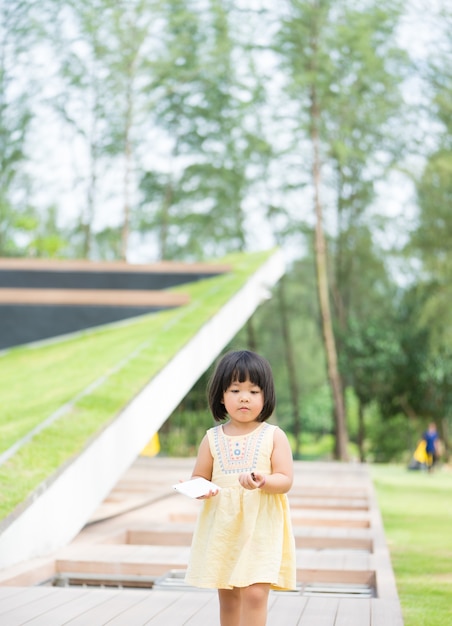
<point>41,298</point>
<point>64,274</point>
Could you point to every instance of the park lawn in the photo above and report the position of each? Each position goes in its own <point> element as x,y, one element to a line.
<point>35,381</point>
<point>417,514</point>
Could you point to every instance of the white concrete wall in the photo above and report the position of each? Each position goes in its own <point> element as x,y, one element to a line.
<point>56,515</point>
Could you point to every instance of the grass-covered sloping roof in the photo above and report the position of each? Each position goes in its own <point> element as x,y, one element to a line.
<point>80,383</point>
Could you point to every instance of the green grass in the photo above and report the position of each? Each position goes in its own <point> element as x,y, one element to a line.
<point>36,381</point>
<point>417,515</point>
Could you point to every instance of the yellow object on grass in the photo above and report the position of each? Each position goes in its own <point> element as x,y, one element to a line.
<point>152,448</point>
<point>421,455</point>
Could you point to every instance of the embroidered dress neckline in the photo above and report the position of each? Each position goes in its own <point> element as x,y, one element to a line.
<point>237,454</point>
<point>252,432</point>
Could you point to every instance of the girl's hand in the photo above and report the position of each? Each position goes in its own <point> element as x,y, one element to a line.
<point>206,496</point>
<point>252,480</point>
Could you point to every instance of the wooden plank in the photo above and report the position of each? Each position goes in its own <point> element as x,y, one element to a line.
<point>327,521</point>
<point>46,600</point>
<point>122,559</point>
<point>22,575</point>
<point>20,599</point>
<point>385,613</point>
<point>359,577</point>
<point>323,542</point>
<point>168,537</point>
<point>207,615</point>
<point>92,297</point>
<point>356,560</point>
<point>318,493</point>
<point>153,604</point>
<point>300,502</point>
<point>65,265</point>
<point>286,609</point>
<point>186,607</point>
<point>77,602</point>
<point>337,532</point>
<point>162,607</point>
<point>353,612</point>
<point>119,602</point>
<point>319,612</point>
<point>7,592</point>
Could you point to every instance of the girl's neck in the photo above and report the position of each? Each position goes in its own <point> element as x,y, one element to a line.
<point>233,429</point>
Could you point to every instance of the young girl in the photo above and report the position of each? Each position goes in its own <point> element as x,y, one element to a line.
<point>243,543</point>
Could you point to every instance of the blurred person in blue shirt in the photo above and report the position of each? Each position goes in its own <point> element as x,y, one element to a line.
<point>431,438</point>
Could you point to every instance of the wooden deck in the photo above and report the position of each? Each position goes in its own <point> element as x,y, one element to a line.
<point>125,567</point>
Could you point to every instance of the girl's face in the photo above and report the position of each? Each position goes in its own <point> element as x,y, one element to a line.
<point>243,401</point>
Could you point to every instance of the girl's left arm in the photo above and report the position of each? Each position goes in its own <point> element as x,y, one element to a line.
<point>281,478</point>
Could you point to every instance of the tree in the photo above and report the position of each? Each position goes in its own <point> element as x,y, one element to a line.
<point>16,212</point>
<point>303,57</point>
<point>105,47</point>
<point>207,112</point>
<point>341,63</point>
<point>77,33</point>
<point>432,240</point>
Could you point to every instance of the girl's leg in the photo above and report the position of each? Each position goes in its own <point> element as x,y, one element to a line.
<point>230,607</point>
<point>254,605</point>
<point>244,606</point>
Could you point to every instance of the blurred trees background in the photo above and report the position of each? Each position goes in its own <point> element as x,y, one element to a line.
<point>169,129</point>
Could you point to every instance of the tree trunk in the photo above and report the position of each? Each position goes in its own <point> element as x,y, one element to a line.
<point>164,225</point>
<point>88,216</point>
<point>291,368</point>
<point>125,231</point>
<point>322,290</point>
<point>361,431</point>
<point>126,205</point>
<point>445,437</point>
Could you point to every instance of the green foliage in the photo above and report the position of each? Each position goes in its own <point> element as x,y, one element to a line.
<point>432,241</point>
<point>417,516</point>
<point>372,355</point>
<point>183,432</point>
<point>421,382</point>
<point>392,439</point>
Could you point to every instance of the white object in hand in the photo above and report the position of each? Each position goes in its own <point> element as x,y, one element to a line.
<point>196,487</point>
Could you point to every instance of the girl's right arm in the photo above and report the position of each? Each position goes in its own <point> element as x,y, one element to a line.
<point>204,461</point>
<point>204,465</point>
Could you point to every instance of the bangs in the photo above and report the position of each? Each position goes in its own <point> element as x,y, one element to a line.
<point>247,369</point>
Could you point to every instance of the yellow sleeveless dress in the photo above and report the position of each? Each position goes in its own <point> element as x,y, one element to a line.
<point>242,536</point>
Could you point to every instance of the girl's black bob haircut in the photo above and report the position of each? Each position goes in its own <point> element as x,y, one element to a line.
<point>241,365</point>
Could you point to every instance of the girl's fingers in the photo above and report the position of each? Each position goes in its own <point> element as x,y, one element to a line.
<point>206,496</point>
<point>250,481</point>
